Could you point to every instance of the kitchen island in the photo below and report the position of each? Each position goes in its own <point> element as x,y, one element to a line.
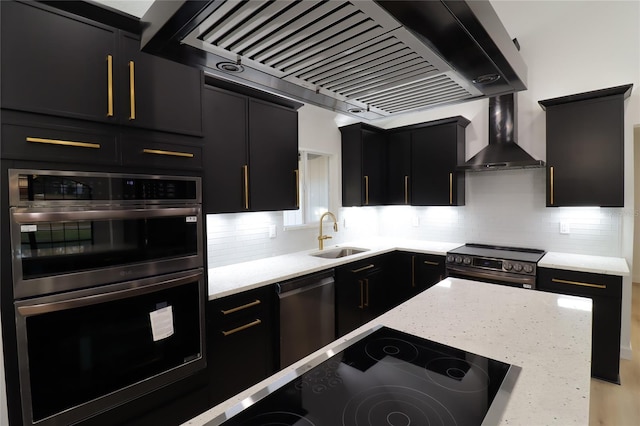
<point>547,335</point>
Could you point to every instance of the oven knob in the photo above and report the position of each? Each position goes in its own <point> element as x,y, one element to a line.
<point>467,261</point>
<point>450,258</point>
<point>458,259</point>
<point>507,266</point>
<point>528,269</point>
<point>517,267</point>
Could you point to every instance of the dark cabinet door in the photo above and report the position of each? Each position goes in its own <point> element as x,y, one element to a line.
<point>55,63</point>
<point>585,150</point>
<point>434,179</point>
<point>273,157</point>
<point>399,168</point>
<point>240,341</point>
<point>606,293</point>
<point>149,150</point>
<point>363,165</point>
<point>157,93</point>
<point>225,151</point>
<point>427,270</point>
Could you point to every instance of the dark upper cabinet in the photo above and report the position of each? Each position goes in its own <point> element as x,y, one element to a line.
<point>250,154</point>
<point>585,148</point>
<point>605,291</point>
<point>158,94</point>
<point>399,168</point>
<point>57,63</point>
<point>363,165</point>
<point>436,150</point>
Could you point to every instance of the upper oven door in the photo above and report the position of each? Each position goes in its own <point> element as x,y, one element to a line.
<point>59,249</point>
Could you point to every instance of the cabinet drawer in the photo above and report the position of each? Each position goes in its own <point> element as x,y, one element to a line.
<point>579,283</point>
<point>151,154</point>
<point>232,310</point>
<point>58,144</point>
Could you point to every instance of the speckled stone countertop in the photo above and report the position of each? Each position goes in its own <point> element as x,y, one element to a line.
<point>585,263</point>
<point>231,279</point>
<point>541,332</point>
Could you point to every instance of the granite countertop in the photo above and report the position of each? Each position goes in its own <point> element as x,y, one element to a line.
<point>541,332</point>
<point>585,263</point>
<point>231,279</point>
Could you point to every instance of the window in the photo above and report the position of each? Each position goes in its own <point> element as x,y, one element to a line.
<point>314,189</point>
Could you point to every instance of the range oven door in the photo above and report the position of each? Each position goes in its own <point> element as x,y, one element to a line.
<point>83,352</point>
<point>60,249</point>
<point>493,277</point>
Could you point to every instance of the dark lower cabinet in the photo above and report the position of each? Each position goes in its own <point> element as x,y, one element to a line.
<point>606,293</point>
<point>361,293</point>
<point>413,273</point>
<point>240,341</point>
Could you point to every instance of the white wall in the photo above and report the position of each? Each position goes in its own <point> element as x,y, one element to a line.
<point>569,47</point>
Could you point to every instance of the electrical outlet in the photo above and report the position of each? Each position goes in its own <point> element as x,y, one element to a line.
<point>415,221</point>
<point>344,223</point>
<point>565,228</point>
<point>272,231</point>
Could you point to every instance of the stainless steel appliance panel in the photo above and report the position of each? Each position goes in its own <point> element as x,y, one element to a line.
<point>307,315</point>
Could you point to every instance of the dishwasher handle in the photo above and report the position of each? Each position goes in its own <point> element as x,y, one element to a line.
<point>295,286</point>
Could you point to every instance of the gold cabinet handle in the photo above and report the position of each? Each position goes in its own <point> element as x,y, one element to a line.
<point>551,185</point>
<point>366,288</point>
<point>132,91</point>
<point>560,281</point>
<point>413,271</point>
<point>245,177</point>
<point>355,271</point>
<point>366,190</point>
<point>450,188</point>
<point>169,153</point>
<point>406,189</point>
<point>297,172</point>
<point>361,306</point>
<point>64,143</point>
<point>109,86</point>
<point>242,327</point>
<point>240,308</point>
<point>428,262</point>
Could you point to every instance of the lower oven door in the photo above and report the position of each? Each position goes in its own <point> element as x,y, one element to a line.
<point>84,352</point>
<point>493,277</point>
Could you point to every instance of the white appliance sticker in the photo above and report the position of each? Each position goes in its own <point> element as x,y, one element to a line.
<point>161,323</point>
<point>28,228</point>
<point>192,219</point>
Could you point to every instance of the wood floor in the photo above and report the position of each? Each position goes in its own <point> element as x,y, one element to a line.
<point>620,405</point>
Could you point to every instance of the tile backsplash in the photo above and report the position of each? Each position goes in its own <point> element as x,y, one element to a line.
<point>502,207</point>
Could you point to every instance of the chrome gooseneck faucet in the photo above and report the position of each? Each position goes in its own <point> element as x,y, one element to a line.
<point>321,237</point>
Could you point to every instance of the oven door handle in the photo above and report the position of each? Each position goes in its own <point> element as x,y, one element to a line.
<point>84,299</point>
<point>23,215</point>
<point>492,276</point>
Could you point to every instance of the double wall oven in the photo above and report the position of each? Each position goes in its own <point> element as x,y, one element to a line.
<point>109,290</point>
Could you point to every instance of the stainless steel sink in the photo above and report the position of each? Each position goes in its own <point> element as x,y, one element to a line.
<point>339,252</point>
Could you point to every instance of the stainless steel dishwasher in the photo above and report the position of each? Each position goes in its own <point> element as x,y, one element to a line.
<point>307,315</point>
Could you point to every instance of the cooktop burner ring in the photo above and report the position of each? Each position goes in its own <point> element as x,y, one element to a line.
<point>457,374</point>
<point>398,406</point>
<point>386,347</point>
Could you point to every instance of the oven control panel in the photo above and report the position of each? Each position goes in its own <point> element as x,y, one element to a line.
<point>492,264</point>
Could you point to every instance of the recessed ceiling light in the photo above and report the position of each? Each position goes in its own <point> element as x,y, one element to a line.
<point>486,79</point>
<point>356,110</point>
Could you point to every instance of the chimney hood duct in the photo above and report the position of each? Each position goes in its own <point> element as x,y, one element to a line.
<point>502,152</point>
<point>364,58</point>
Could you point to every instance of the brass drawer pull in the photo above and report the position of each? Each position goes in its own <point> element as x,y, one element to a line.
<point>366,190</point>
<point>65,143</point>
<point>132,91</point>
<point>428,262</point>
<point>297,172</point>
<point>239,308</point>
<point>559,281</point>
<point>355,271</point>
<point>109,86</point>
<point>242,327</point>
<point>551,184</point>
<point>406,189</point>
<point>169,153</point>
<point>450,188</point>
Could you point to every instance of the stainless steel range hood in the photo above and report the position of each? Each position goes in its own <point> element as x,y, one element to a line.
<point>369,59</point>
<point>503,152</point>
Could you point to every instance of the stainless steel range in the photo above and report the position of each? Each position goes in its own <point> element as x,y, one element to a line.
<point>512,266</point>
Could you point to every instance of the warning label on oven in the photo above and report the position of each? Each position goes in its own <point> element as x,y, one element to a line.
<point>161,323</point>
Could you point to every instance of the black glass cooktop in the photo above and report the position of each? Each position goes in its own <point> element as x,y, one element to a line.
<point>388,378</point>
<point>497,252</point>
